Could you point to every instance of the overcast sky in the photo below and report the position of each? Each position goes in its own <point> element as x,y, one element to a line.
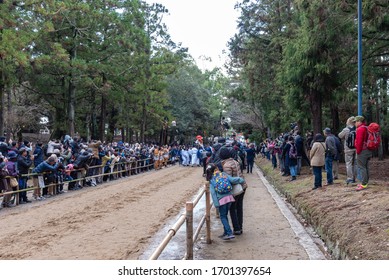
<point>203,26</point>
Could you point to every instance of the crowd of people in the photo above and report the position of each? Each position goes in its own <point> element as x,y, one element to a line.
<point>290,151</point>
<point>46,168</point>
<point>82,164</point>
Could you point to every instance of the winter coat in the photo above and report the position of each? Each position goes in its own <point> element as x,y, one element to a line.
<point>44,166</point>
<point>217,196</point>
<point>317,154</point>
<point>38,155</point>
<point>360,138</point>
<point>331,145</point>
<point>23,164</point>
<point>343,135</point>
<point>232,168</point>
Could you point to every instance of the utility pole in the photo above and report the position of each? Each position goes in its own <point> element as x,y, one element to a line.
<point>359,57</point>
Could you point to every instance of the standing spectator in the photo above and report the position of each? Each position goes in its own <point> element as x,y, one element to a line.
<point>291,150</point>
<point>3,146</point>
<point>38,154</point>
<point>94,163</point>
<point>331,152</point>
<point>222,201</point>
<point>349,150</point>
<point>4,182</point>
<point>49,165</point>
<point>24,162</point>
<point>335,163</point>
<point>232,168</point>
<point>363,154</point>
<point>317,155</point>
<point>250,156</point>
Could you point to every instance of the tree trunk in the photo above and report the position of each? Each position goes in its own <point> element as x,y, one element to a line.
<point>315,100</point>
<point>71,96</point>
<point>2,107</point>
<point>143,122</point>
<point>335,118</point>
<point>103,111</point>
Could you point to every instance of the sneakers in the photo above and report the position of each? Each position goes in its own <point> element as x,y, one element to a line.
<point>228,237</point>
<point>237,232</point>
<point>361,187</point>
<point>350,181</point>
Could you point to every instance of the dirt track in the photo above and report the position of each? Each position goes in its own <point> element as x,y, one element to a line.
<point>111,221</point>
<point>120,219</point>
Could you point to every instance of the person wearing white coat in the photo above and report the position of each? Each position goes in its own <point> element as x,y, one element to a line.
<point>195,159</point>
<point>185,156</point>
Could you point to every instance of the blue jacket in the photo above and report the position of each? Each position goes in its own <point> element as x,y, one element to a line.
<point>250,154</point>
<point>217,196</point>
<point>44,166</point>
<point>38,156</point>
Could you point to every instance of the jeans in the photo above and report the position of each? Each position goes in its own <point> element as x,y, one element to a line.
<point>250,164</point>
<point>236,212</point>
<point>318,175</point>
<point>223,212</point>
<point>330,178</point>
<point>22,185</point>
<point>293,170</point>
<point>274,160</point>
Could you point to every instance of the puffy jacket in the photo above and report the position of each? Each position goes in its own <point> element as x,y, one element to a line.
<point>360,138</point>
<point>217,196</point>
<point>23,164</point>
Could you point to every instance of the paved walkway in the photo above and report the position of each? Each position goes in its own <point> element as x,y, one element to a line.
<point>271,231</point>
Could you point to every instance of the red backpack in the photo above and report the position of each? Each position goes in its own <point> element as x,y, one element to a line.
<point>373,136</point>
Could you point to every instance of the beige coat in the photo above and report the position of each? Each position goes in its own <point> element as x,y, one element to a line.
<point>317,154</point>
<point>232,168</point>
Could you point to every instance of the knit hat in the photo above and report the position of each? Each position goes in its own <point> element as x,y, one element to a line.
<point>12,155</point>
<point>224,153</point>
<point>359,118</point>
<point>56,151</point>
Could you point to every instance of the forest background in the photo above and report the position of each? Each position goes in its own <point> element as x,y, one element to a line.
<point>96,69</point>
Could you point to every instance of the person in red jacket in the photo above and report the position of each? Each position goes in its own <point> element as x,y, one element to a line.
<point>363,154</point>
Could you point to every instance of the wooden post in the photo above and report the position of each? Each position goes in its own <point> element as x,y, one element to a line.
<point>208,213</point>
<point>189,230</point>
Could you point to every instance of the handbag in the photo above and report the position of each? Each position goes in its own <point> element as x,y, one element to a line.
<point>237,189</point>
<point>13,182</point>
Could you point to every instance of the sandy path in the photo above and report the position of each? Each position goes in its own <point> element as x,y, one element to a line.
<point>267,233</point>
<point>111,221</point>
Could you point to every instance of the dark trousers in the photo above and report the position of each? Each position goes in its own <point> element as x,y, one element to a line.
<point>236,212</point>
<point>317,172</point>
<point>22,186</point>
<point>250,164</point>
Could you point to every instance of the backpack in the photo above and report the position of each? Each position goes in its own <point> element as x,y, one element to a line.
<point>373,136</point>
<point>350,141</point>
<point>222,184</point>
<point>292,151</point>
